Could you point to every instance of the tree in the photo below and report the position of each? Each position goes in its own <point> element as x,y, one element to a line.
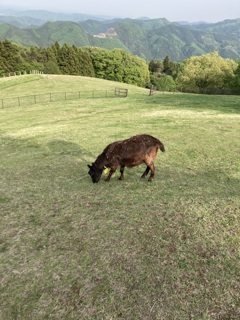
<point>155,67</point>
<point>236,81</point>
<point>68,61</point>
<point>163,83</point>
<point>51,67</point>
<point>119,65</point>
<point>10,57</point>
<point>206,71</point>
<point>85,63</point>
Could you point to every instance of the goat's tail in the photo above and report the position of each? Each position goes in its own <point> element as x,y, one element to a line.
<point>161,146</point>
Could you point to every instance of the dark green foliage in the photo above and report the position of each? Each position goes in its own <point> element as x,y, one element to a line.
<point>155,66</point>
<point>51,67</point>
<point>85,63</point>
<point>168,66</point>
<point>55,59</point>
<point>69,60</point>
<point>10,59</point>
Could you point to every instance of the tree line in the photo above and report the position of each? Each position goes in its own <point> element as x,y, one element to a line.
<point>196,73</point>
<point>116,65</point>
<point>208,73</point>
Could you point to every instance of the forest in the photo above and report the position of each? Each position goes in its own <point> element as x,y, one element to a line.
<point>208,73</point>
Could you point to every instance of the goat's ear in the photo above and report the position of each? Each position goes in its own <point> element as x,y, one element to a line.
<point>89,166</point>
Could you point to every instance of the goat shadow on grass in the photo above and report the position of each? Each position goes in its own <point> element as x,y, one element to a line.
<point>63,147</point>
<point>71,155</point>
<point>12,145</point>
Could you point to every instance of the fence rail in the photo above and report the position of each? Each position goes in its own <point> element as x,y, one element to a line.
<point>57,96</point>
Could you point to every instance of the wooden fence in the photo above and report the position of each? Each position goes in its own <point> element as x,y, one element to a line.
<point>59,96</point>
<point>121,92</point>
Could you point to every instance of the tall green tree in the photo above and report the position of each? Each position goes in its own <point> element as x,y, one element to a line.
<point>155,67</point>
<point>206,71</point>
<point>10,57</point>
<point>68,61</point>
<point>85,63</point>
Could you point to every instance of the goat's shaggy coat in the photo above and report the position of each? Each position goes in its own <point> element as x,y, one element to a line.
<point>131,152</point>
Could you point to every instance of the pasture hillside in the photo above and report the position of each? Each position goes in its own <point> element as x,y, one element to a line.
<point>71,249</point>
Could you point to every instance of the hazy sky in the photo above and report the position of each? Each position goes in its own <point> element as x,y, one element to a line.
<point>173,10</point>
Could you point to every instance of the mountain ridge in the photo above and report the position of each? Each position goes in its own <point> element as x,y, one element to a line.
<point>149,39</point>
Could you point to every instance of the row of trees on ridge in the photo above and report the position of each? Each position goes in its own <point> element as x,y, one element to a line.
<point>197,73</point>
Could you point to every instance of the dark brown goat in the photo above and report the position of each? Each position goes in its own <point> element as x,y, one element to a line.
<point>131,152</point>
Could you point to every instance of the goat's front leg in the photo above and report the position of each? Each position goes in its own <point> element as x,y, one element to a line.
<point>111,172</point>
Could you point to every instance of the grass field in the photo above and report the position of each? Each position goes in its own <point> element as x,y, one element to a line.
<point>71,249</point>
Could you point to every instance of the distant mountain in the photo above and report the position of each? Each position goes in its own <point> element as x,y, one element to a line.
<point>61,32</point>
<point>147,38</point>
<point>229,27</point>
<point>27,18</point>
<point>20,22</point>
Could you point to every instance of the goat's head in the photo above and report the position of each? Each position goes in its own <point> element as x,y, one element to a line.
<point>95,173</point>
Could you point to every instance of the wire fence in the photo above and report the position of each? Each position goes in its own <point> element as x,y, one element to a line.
<point>58,96</point>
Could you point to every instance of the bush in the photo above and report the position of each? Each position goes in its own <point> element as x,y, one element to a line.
<point>163,83</point>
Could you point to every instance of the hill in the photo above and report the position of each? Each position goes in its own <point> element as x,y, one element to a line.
<point>149,39</point>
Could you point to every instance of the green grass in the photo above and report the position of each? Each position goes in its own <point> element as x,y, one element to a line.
<point>71,249</point>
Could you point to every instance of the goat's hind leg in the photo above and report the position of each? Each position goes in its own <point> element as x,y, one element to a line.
<point>145,173</point>
<point>152,168</point>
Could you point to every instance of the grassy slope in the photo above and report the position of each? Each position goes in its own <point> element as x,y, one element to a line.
<point>70,249</point>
